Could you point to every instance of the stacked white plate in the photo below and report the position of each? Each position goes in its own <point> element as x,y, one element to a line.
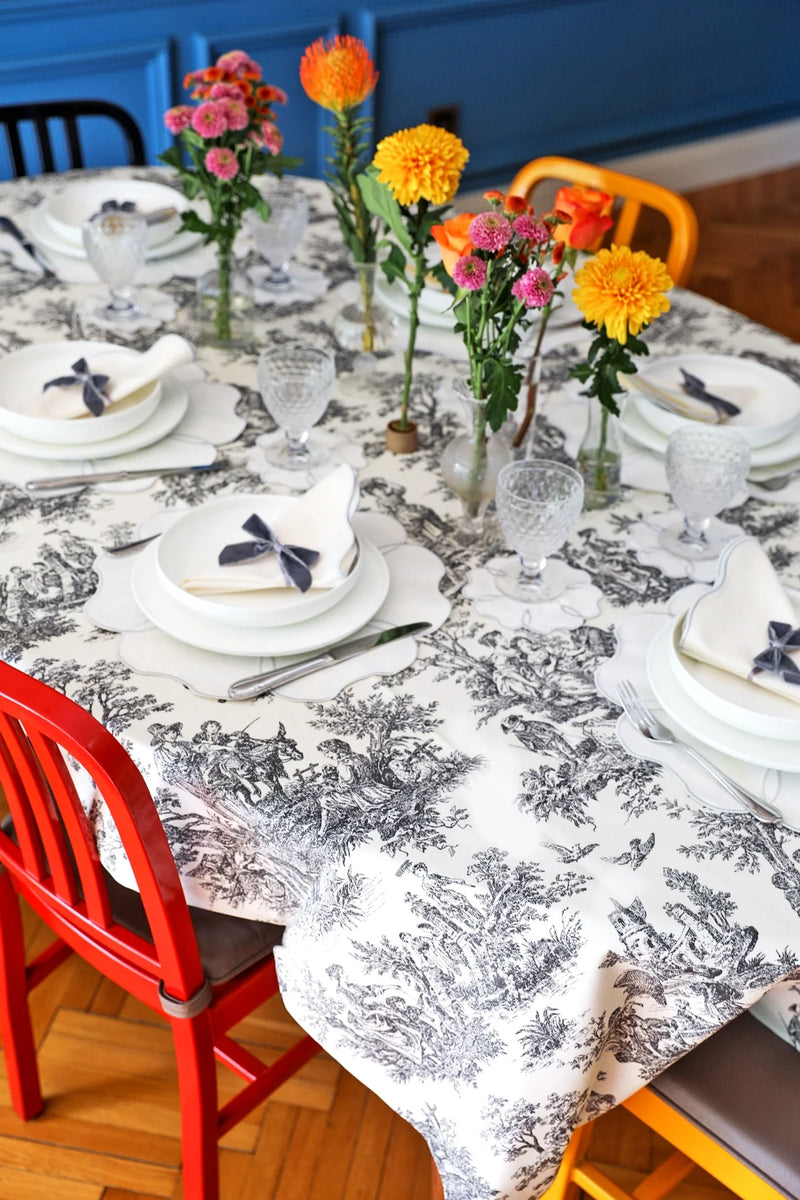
<point>769,403</point>
<point>716,708</point>
<point>140,420</point>
<point>269,621</point>
<point>57,224</point>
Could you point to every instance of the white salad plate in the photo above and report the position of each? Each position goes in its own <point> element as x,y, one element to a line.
<point>769,400</point>
<point>639,430</point>
<point>737,702</point>
<point>169,413</point>
<point>68,209</point>
<point>24,373</point>
<point>45,235</point>
<point>329,627</point>
<point>704,726</point>
<point>190,548</point>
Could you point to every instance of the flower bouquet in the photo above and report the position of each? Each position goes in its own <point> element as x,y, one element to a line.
<point>339,76</point>
<point>413,170</point>
<point>229,136</point>
<point>619,292</point>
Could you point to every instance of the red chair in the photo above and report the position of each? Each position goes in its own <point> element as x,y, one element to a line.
<point>205,971</point>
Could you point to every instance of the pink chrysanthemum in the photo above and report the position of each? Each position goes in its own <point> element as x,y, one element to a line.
<point>273,138</point>
<point>237,62</point>
<point>209,120</point>
<point>470,272</point>
<point>222,162</point>
<point>534,289</point>
<point>225,91</point>
<point>236,114</point>
<point>490,231</point>
<point>530,229</point>
<point>179,118</point>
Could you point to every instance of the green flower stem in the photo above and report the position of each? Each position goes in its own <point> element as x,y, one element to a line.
<point>531,397</point>
<point>364,236</point>
<point>413,323</point>
<point>600,473</point>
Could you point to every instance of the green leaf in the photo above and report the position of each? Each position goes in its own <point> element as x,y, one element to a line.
<point>191,222</point>
<point>172,157</point>
<point>394,265</point>
<point>380,201</point>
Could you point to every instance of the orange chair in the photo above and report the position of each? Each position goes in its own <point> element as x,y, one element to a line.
<point>731,1106</point>
<point>205,971</point>
<point>634,193</point>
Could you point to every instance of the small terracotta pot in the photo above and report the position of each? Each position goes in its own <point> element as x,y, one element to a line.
<point>401,441</point>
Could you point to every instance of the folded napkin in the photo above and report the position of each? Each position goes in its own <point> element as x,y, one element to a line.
<point>108,377</point>
<point>747,616</point>
<point>318,521</point>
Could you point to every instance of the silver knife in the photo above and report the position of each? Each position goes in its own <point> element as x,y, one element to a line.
<point>160,214</point>
<point>55,482</point>
<point>256,685</point>
<point>30,249</point>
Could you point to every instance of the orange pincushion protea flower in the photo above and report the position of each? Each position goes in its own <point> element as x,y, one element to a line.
<point>338,75</point>
<point>424,163</point>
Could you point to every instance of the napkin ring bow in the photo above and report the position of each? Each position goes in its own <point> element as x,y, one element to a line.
<point>294,561</point>
<point>93,395</point>
<point>775,658</point>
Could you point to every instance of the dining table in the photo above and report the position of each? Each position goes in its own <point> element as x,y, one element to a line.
<point>504,910</point>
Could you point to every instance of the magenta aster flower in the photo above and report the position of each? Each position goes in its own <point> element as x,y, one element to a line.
<point>209,120</point>
<point>236,114</point>
<point>273,138</point>
<point>490,231</point>
<point>534,289</point>
<point>225,91</point>
<point>237,62</point>
<point>222,162</point>
<point>470,272</point>
<point>530,229</point>
<point>179,118</point>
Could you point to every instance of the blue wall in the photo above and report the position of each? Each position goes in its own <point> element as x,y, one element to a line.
<point>592,78</point>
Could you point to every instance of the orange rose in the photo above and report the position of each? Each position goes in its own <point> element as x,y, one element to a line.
<point>589,215</point>
<point>453,239</point>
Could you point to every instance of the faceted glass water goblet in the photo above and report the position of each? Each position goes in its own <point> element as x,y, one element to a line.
<point>116,246</point>
<point>538,504</point>
<point>296,383</point>
<point>277,238</point>
<point>706,467</point>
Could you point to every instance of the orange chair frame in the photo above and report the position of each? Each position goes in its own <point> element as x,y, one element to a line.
<point>52,861</point>
<point>635,192</point>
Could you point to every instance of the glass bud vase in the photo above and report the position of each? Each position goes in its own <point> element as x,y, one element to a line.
<point>225,304</point>
<point>472,461</point>
<point>364,324</point>
<point>600,457</point>
<point>519,427</point>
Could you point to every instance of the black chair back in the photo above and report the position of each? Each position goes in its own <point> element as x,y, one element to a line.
<point>68,113</point>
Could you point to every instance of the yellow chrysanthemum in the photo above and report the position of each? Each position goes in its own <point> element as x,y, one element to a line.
<point>622,289</point>
<point>424,163</point>
<point>338,74</point>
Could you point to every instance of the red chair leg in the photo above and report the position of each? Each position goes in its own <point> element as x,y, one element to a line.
<point>197,1079</point>
<point>16,1032</point>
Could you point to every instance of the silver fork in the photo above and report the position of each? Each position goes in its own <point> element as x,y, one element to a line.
<point>637,711</point>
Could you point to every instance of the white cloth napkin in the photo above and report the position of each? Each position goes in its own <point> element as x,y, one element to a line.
<point>727,627</point>
<point>127,374</point>
<point>318,520</point>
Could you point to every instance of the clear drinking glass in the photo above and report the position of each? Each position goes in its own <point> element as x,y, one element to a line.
<point>277,238</point>
<point>538,504</point>
<point>706,467</point>
<point>296,383</point>
<point>116,246</point>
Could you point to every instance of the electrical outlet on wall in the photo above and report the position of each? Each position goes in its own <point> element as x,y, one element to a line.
<point>447,116</point>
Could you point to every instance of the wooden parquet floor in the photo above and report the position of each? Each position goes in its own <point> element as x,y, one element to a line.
<point>110,1129</point>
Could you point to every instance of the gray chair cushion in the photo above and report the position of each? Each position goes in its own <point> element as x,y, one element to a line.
<point>742,1087</point>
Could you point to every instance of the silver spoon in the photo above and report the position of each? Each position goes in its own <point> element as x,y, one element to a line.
<point>776,482</point>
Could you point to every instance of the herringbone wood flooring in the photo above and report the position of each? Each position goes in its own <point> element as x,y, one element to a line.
<point>110,1130</point>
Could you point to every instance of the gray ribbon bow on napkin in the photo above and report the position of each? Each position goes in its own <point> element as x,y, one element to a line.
<point>775,659</point>
<point>695,388</point>
<point>294,561</point>
<point>117,206</point>
<point>93,385</point>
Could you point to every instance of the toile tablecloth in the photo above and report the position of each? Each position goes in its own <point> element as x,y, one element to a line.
<point>496,916</point>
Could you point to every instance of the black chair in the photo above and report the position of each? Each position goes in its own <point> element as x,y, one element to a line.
<point>68,112</point>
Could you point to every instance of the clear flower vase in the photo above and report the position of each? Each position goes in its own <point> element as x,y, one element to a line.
<point>600,457</point>
<point>472,461</point>
<point>225,304</point>
<point>364,324</point>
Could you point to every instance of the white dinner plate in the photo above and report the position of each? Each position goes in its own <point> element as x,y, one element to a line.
<point>641,432</point>
<point>24,373</point>
<point>703,725</point>
<point>68,209</point>
<point>326,629</point>
<point>189,548</point>
<point>735,701</point>
<point>43,233</point>
<point>769,400</point>
<point>170,411</point>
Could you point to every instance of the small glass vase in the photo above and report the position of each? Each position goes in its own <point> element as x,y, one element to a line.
<point>472,461</point>
<point>519,427</point>
<point>600,457</point>
<point>225,304</point>
<point>364,324</point>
